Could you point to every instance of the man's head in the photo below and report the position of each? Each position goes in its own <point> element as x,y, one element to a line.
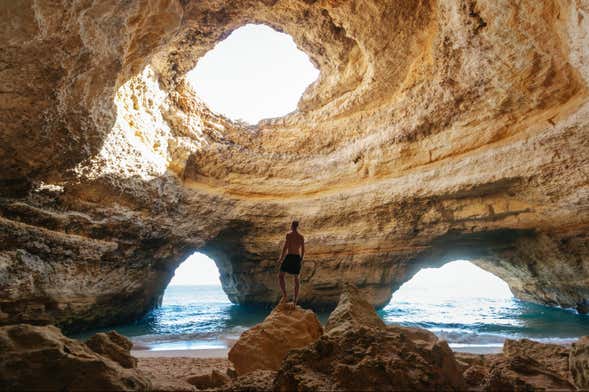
<point>294,225</point>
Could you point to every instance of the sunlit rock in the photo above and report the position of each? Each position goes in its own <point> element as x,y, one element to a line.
<point>264,346</point>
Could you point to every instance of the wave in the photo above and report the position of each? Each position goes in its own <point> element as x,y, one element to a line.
<point>465,338</point>
<point>205,339</point>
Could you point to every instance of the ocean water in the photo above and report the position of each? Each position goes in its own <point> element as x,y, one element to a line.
<point>198,317</point>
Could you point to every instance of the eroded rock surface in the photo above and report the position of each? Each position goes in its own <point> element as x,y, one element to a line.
<point>264,346</point>
<point>579,363</point>
<point>553,357</point>
<point>437,130</point>
<point>528,365</point>
<point>41,358</point>
<point>351,356</point>
<point>523,373</point>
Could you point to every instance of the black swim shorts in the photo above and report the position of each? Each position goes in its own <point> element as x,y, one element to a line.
<point>291,264</point>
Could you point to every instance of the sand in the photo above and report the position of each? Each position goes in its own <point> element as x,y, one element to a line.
<point>168,370</point>
<point>200,353</point>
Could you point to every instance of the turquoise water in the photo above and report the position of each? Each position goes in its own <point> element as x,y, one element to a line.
<point>194,317</point>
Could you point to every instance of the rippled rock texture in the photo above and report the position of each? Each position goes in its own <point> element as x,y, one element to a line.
<point>34,358</point>
<point>437,130</point>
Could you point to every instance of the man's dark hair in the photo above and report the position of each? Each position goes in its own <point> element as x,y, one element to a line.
<point>295,224</point>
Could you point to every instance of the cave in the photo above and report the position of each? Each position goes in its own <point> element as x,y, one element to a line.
<point>436,130</point>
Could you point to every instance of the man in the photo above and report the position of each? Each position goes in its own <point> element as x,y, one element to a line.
<point>291,258</point>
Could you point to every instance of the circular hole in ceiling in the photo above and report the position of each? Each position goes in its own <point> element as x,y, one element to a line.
<point>255,73</point>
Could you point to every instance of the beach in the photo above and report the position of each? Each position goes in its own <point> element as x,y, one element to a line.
<point>169,369</point>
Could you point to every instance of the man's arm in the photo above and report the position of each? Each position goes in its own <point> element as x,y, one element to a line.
<point>302,247</point>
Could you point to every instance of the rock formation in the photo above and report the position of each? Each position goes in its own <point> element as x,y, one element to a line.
<point>264,346</point>
<point>359,352</point>
<point>356,352</point>
<point>42,359</point>
<point>215,379</point>
<point>437,130</point>
<point>579,363</point>
<point>526,365</point>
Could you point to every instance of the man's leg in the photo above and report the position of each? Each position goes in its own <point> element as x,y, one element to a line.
<point>282,285</point>
<point>296,289</point>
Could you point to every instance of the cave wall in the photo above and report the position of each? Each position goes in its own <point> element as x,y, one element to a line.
<point>437,130</point>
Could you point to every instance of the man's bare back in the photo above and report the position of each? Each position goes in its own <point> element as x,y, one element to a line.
<point>294,243</point>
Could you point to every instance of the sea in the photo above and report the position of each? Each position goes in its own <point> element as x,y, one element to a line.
<point>201,317</point>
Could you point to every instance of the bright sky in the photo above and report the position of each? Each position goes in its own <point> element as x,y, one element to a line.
<point>254,73</point>
<point>198,269</point>
<point>457,279</point>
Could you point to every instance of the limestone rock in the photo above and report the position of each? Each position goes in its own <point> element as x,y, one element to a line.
<point>212,380</point>
<point>523,365</point>
<point>522,373</point>
<point>553,357</point>
<point>264,346</point>
<point>41,358</point>
<point>579,363</point>
<point>385,358</point>
<point>437,130</point>
<point>114,346</point>
<point>258,381</point>
<point>352,311</point>
<point>475,367</point>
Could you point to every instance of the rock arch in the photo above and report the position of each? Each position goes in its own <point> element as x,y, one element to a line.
<point>434,126</point>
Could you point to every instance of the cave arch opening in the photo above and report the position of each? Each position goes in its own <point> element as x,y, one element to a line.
<point>254,73</point>
<point>197,274</point>
<point>470,306</point>
<point>195,312</point>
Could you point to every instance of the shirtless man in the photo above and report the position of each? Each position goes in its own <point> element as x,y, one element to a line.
<point>294,250</point>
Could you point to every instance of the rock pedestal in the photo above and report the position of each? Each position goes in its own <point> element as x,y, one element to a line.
<point>264,346</point>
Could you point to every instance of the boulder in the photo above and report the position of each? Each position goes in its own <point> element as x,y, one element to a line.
<point>523,373</point>
<point>579,363</point>
<point>256,381</point>
<point>41,358</point>
<point>352,311</point>
<point>264,346</point>
<point>523,365</point>
<point>214,379</point>
<point>475,367</point>
<point>553,357</point>
<point>352,357</point>
<point>114,346</point>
